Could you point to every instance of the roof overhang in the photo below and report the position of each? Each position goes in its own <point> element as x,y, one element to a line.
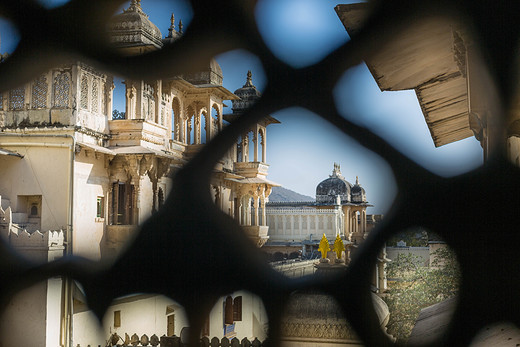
<point>254,180</point>
<point>220,91</point>
<point>96,148</point>
<point>141,150</point>
<point>429,58</point>
<point>7,152</point>
<point>231,117</point>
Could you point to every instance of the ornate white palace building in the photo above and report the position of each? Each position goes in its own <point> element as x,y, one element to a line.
<point>77,179</point>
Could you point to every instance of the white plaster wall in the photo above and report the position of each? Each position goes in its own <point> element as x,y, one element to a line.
<point>324,224</point>
<point>87,331</point>
<point>23,321</point>
<point>53,316</point>
<point>91,178</point>
<point>144,316</point>
<point>42,171</point>
<point>145,199</point>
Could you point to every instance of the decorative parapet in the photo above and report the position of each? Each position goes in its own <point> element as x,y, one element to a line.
<point>175,341</point>
<point>46,240</point>
<point>305,212</point>
<point>324,331</point>
<point>295,268</point>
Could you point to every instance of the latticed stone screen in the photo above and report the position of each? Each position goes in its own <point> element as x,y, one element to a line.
<point>95,96</point>
<point>84,92</point>
<point>104,100</point>
<point>61,89</point>
<point>39,92</point>
<point>17,99</point>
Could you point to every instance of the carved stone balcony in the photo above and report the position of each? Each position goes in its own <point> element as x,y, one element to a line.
<point>251,169</point>
<point>257,233</point>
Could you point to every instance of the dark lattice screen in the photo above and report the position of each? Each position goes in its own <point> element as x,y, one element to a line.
<point>180,251</point>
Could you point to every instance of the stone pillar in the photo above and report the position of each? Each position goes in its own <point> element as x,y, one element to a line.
<point>264,220</point>
<point>284,223</point>
<point>264,147</point>
<point>130,100</point>
<point>292,225</point>
<point>245,145</point>
<point>300,225</point>
<point>255,142</point>
<point>256,202</point>
<point>209,124</point>
<point>364,221</point>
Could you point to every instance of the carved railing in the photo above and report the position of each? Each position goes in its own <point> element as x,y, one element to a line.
<point>175,341</point>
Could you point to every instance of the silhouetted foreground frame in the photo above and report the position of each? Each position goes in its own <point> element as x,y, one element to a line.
<point>190,238</point>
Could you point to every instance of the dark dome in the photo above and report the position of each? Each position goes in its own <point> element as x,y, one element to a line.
<point>333,186</point>
<point>358,193</point>
<point>248,95</point>
<point>328,190</point>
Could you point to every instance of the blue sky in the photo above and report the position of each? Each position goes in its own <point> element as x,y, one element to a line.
<point>302,150</point>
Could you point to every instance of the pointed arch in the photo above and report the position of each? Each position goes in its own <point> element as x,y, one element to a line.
<point>190,126</point>
<point>216,119</point>
<point>205,123</point>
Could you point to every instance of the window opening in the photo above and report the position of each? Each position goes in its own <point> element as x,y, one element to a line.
<point>117,319</point>
<point>100,210</point>
<point>122,204</point>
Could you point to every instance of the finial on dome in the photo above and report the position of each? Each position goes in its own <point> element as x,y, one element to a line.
<point>180,26</point>
<point>171,29</point>
<point>357,180</point>
<point>249,80</point>
<point>336,172</point>
<point>135,6</point>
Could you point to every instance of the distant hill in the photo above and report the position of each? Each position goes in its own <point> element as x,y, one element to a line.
<point>280,194</point>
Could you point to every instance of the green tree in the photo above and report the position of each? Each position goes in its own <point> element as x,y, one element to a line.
<point>413,287</point>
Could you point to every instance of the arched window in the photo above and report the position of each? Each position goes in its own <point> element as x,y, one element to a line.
<point>204,127</point>
<point>34,210</point>
<point>215,115</point>
<point>191,130</point>
<point>251,146</point>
